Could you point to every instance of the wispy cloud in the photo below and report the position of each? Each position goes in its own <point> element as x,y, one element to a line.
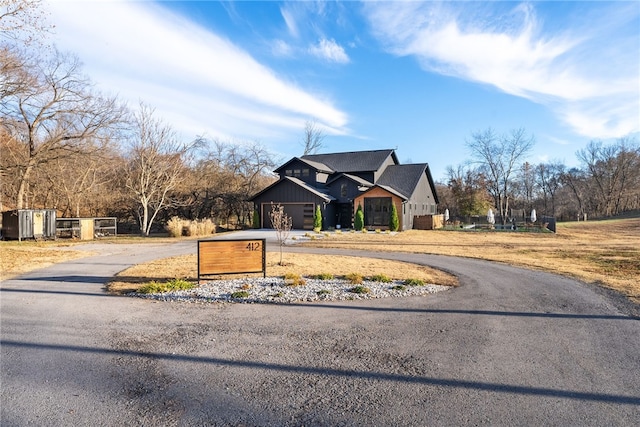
<point>281,48</point>
<point>290,21</point>
<point>330,51</point>
<point>511,51</point>
<point>200,81</point>
<point>556,140</point>
<point>306,21</point>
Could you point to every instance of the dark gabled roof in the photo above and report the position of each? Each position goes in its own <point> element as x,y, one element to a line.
<point>318,192</point>
<point>355,161</point>
<point>403,178</point>
<point>388,189</point>
<point>356,179</point>
<point>314,164</point>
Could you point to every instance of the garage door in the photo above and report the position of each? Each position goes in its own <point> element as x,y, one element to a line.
<point>300,213</point>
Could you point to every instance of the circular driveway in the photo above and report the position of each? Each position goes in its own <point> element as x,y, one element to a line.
<point>508,347</point>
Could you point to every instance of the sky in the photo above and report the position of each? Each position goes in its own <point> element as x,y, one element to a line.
<point>417,77</point>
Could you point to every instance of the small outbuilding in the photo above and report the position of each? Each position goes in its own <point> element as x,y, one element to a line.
<point>86,228</point>
<point>21,224</point>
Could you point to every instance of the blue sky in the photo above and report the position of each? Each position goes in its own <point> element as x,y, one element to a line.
<point>419,77</point>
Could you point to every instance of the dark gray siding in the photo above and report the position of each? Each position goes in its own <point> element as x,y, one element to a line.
<point>300,170</point>
<point>293,198</point>
<point>367,176</point>
<point>335,189</point>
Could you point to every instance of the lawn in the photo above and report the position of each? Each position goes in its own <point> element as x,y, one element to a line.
<point>602,252</point>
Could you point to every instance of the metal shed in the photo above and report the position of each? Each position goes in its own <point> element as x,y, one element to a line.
<point>21,224</point>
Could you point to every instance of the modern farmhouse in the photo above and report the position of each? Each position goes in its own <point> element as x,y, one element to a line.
<point>340,182</point>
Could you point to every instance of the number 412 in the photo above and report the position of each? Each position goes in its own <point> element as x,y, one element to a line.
<point>253,246</point>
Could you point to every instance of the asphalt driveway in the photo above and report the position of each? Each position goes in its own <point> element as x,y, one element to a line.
<point>508,347</point>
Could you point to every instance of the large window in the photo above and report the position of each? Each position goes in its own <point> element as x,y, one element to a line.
<point>377,211</point>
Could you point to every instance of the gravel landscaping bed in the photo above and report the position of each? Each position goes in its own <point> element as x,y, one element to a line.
<point>276,290</point>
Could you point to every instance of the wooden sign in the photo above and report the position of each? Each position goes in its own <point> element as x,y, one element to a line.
<point>231,257</point>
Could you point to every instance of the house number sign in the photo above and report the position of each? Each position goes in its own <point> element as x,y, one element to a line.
<point>231,257</point>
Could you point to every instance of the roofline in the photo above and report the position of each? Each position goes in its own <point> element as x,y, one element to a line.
<point>351,177</point>
<point>297,182</point>
<point>432,184</point>
<point>310,163</point>
<point>388,190</point>
<point>391,151</point>
<point>427,171</point>
<point>349,152</point>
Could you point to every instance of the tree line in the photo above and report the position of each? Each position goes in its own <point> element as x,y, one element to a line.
<point>497,176</point>
<point>66,146</point>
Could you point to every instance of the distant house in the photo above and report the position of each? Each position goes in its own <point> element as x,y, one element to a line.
<point>340,182</point>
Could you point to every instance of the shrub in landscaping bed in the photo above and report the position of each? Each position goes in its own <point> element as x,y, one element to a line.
<point>172,285</point>
<point>354,278</point>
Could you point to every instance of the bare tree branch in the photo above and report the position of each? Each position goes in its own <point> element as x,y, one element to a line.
<point>23,20</point>
<point>498,157</point>
<point>56,113</point>
<point>157,162</point>
<point>313,138</point>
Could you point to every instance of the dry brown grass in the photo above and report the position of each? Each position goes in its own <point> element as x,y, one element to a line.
<point>21,257</point>
<point>302,264</point>
<point>602,252</point>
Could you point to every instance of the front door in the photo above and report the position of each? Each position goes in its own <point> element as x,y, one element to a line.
<point>345,215</point>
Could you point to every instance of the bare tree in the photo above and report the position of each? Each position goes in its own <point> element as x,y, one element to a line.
<point>156,165</point>
<point>22,20</point>
<point>225,179</point>
<point>21,23</point>
<point>549,180</point>
<point>498,157</point>
<point>468,191</point>
<point>282,223</point>
<point>15,76</point>
<point>576,180</point>
<point>526,184</point>
<point>313,138</point>
<point>613,170</point>
<point>57,115</point>
<point>78,193</point>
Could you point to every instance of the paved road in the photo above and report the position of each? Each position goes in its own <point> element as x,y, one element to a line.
<point>508,347</point>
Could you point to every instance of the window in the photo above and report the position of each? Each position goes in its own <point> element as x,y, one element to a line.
<point>296,172</point>
<point>343,190</point>
<point>288,172</point>
<point>305,172</point>
<point>377,211</point>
